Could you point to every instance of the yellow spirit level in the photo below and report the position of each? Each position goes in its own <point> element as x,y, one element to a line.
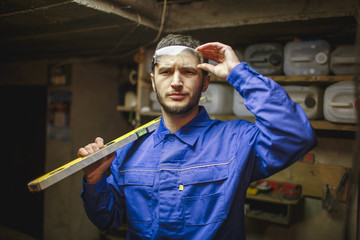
<point>72,167</point>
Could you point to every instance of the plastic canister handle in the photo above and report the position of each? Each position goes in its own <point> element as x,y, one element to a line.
<point>341,104</point>
<point>301,59</point>
<point>346,60</point>
<point>258,59</point>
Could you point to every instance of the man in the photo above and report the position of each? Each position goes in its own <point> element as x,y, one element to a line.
<point>188,179</point>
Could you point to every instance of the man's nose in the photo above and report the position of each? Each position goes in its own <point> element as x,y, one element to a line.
<point>176,80</point>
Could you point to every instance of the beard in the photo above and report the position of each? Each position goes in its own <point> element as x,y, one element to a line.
<point>182,109</point>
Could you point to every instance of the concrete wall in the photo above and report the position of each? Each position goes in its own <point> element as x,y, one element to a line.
<point>94,88</point>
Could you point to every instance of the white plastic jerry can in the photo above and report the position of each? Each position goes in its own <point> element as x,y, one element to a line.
<point>265,58</point>
<point>239,109</point>
<point>306,58</point>
<point>155,105</point>
<point>219,99</point>
<point>340,104</point>
<point>310,98</point>
<point>343,60</point>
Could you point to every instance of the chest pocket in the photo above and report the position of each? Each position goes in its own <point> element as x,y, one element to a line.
<point>138,189</point>
<point>203,194</point>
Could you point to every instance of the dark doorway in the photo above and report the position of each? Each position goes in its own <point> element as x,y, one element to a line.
<point>23,132</point>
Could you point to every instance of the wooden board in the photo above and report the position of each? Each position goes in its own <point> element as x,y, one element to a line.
<point>313,178</point>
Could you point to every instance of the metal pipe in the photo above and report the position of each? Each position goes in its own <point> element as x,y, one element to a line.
<point>111,8</point>
<point>147,8</point>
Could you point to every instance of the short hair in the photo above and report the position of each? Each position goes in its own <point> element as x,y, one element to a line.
<point>178,40</point>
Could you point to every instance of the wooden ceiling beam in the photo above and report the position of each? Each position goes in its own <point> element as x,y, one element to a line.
<point>114,9</point>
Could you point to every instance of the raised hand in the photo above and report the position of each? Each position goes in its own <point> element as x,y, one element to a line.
<point>221,53</point>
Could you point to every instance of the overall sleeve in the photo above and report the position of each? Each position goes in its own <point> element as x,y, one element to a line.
<point>282,131</point>
<point>104,201</point>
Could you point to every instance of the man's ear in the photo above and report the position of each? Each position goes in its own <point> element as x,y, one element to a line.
<point>152,81</point>
<point>206,82</point>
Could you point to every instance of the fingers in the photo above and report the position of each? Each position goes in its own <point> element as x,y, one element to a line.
<point>221,53</point>
<point>99,141</point>
<point>214,51</point>
<point>211,45</point>
<point>206,67</point>
<point>88,150</point>
<point>91,148</point>
<point>82,152</point>
<point>218,52</point>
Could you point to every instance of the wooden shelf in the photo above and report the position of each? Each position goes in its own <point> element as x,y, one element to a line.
<point>125,109</point>
<point>150,113</point>
<point>313,177</point>
<point>270,217</point>
<point>325,125</point>
<point>145,82</point>
<point>271,207</point>
<point>301,79</point>
<point>274,198</point>
<point>312,79</point>
<point>316,124</point>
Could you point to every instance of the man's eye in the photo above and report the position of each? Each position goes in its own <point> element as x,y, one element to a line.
<point>165,72</point>
<point>191,72</point>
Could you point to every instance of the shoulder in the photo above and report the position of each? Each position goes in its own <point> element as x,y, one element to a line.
<point>232,127</point>
<point>231,123</point>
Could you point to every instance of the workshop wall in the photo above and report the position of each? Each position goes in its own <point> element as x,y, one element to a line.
<point>93,113</point>
<point>94,89</point>
<point>310,220</point>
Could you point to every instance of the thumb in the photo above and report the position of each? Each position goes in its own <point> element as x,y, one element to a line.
<point>206,67</point>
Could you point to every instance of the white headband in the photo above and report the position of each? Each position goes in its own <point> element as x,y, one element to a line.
<point>174,51</point>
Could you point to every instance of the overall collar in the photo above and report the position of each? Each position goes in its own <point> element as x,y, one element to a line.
<point>188,133</point>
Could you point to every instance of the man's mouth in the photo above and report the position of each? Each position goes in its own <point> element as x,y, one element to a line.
<point>177,96</point>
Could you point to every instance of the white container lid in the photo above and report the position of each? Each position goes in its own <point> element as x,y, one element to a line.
<point>310,98</point>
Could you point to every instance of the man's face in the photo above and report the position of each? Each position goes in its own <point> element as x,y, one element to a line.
<point>178,82</point>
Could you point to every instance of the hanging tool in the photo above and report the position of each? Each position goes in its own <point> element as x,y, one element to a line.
<point>330,201</point>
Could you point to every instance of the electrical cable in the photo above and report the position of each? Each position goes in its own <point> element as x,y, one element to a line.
<point>116,47</point>
<point>162,24</point>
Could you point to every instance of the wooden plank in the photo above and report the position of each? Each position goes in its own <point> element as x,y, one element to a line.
<point>273,198</point>
<point>139,58</point>
<point>125,109</point>
<point>316,124</point>
<point>312,79</point>
<point>313,178</point>
<point>270,217</point>
<point>325,125</point>
<point>300,79</point>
